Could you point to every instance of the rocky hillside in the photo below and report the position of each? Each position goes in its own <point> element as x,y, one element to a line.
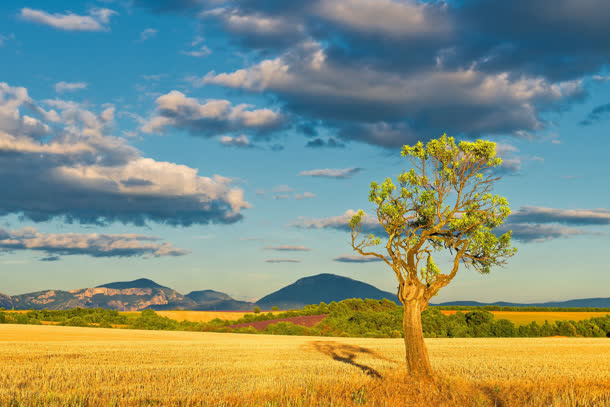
<point>133,295</point>
<point>5,301</point>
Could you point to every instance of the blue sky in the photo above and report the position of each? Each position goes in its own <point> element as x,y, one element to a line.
<point>210,144</point>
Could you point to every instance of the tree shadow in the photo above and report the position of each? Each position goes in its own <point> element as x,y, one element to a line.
<point>347,354</point>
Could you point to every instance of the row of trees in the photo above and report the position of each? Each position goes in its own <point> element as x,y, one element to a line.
<point>352,317</point>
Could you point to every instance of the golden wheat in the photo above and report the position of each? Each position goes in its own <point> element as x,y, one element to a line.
<point>50,365</point>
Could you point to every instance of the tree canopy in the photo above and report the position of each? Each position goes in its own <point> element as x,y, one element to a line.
<point>443,203</point>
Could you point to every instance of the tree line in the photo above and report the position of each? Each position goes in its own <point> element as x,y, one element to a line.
<point>347,318</point>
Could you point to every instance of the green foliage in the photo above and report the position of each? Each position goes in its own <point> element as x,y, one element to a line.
<point>286,328</point>
<point>443,203</point>
<point>348,318</point>
<point>75,321</point>
<point>275,308</point>
<point>257,310</point>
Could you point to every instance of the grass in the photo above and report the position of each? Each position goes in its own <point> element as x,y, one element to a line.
<point>50,365</point>
<point>526,317</point>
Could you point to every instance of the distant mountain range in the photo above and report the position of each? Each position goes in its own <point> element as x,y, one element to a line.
<point>143,293</point>
<point>581,303</point>
<point>125,296</point>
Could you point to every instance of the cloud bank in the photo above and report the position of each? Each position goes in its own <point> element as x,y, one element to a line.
<point>61,161</point>
<point>97,19</point>
<point>94,245</point>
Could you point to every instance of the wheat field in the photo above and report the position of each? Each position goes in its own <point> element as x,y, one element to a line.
<point>66,366</point>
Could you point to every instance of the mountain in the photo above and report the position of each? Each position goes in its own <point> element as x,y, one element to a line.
<point>6,302</point>
<point>123,296</point>
<point>133,295</point>
<point>579,303</point>
<point>139,283</point>
<point>207,296</point>
<point>143,293</point>
<point>322,288</point>
<point>210,300</point>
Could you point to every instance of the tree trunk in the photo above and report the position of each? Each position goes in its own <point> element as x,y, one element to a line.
<point>418,362</point>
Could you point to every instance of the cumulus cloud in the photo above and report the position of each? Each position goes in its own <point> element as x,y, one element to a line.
<point>577,217</point>
<point>81,173</point>
<point>391,109</point>
<point>240,141</point>
<point>369,224</point>
<point>61,87</point>
<point>255,29</point>
<point>288,248</point>
<point>282,260</point>
<point>398,19</point>
<point>356,259</point>
<point>539,224</point>
<point>304,195</point>
<point>331,173</point>
<point>198,48</point>
<point>210,118</point>
<point>148,34</point>
<point>96,20</point>
<point>94,244</point>
<point>390,72</point>
<point>536,232</point>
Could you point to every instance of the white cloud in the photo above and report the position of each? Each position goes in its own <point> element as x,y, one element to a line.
<point>211,117</point>
<point>94,244</point>
<point>312,84</point>
<point>288,248</point>
<point>331,173</point>
<point>357,259</point>
<point>82,173</point>
<point>199,49</point>
<point>393,18</point>
<point>96,20</point>
<point>255,24</point>
<point>148,34</point>
<point>601,78</point>
<point>341,222</point>
<point>61,87</point>
<point>282,260</point>
<point>239,141</point>
<point>535,232</point>
<point>202,51</point>
<point>537,214</point>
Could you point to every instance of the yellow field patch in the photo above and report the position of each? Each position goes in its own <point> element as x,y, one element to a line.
<point>205,316</point>
<point>527,317</point>
<point>50,365</point>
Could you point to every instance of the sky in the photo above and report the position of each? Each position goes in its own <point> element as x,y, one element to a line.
<point>212,144</point>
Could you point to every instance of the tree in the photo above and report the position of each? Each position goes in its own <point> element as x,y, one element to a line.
<point>257,310</point>
<point>442,204</point>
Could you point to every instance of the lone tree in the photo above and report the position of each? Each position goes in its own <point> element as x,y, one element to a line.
<point>443,204</point>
